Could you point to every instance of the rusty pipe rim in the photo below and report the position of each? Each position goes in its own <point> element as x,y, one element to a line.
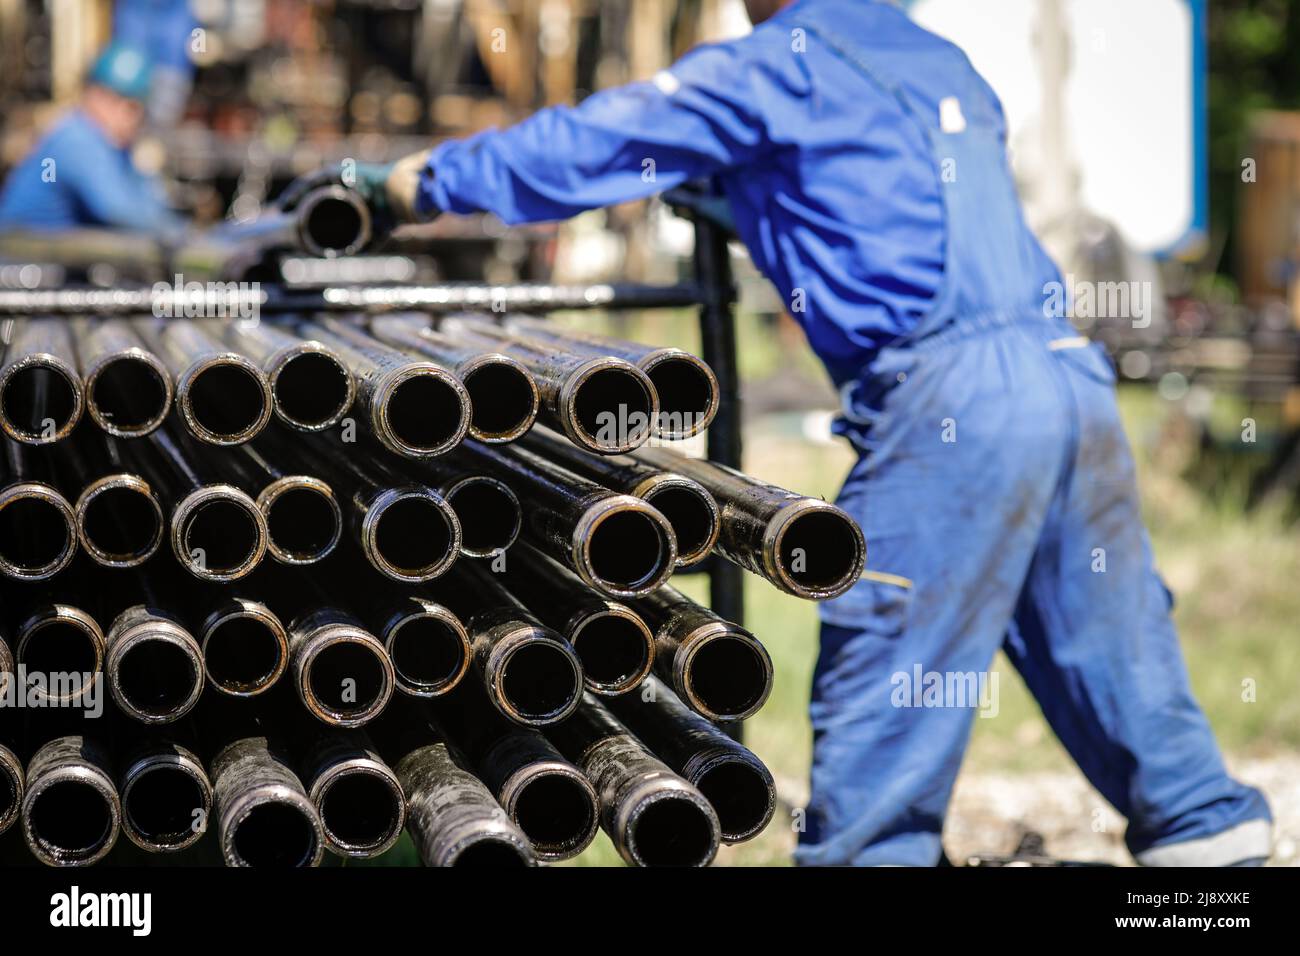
<point>368,769</point>
<point>516,791</point>
<point>106,485</point>
<point>248,801</point>
<point>171,761</point>
<point>709,639</point>
<point>193,505</point>
<point>463,485</point>
<point>85,626</point>
<point>480,364</point>
<point>663,361</point>
<point>185,399</point>
<point>658,794</point>
<point>383,413</point>
<point>810,524</point>
<point>105,421</point>
<point>372,535</point>
<point>69,377</point>
<point>156,633</point>
<point>572,396</point>
<point>275,492</point>
<point>498,672</point>
<point>12,785</point>
<point>340,196</point>
<point>71,775</point>
<point>29,491</point>
<point>398,632</point>
<point>759,782</point>
<point>283,361</point>
<point>578,629</point>
<point>330,638</point>
<point>589,555</point>
<point>211,634</point>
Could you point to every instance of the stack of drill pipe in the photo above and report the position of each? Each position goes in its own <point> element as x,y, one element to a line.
<point>464,628</point>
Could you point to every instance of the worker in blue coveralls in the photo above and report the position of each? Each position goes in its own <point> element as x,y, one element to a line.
<point>865,164</point>
<point>81,173</point>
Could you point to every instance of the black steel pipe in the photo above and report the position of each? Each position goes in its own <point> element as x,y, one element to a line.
<point>128,390</point>
<point>71,812</point>
<point>734,781</point>
<point>531,674</point>
<point>429,646</point>
<point>652,816</point>
<point>66,647</point>
<point>452,818</point>
<point>41,393</point>
<point>38,526</point>
<point>414,407</point>
<point>120,518</point>
<point>245,647</point>
<point>504,398</point>
<point>614,542</point>
<point>357,796</point>
<point>264,816</point>
<point>222,397</point>
<point>805,546</point>
<point>688,389</point>
<point>312,386</point>
<point>166,796</point>
<point>341,671</point>
<point>717,667</point>
<point>605,404</point>
<point>547,797</point>
<point>690,509</point>
<point>615,646</point>
<point>153,664</point>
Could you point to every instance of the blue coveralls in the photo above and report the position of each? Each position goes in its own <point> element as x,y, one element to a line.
<point>76,177</point>
<point>864,160</point>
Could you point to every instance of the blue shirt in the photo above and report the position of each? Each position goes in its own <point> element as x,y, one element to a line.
<point>76,177</point>
<point>834,190</point>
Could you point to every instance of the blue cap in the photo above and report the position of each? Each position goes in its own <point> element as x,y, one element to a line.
<point>123,69</point>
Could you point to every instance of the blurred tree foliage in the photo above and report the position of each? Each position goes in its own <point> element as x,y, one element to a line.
<point>1254,48</point>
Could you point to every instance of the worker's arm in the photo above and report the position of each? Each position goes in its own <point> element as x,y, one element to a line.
<point>125,201</point>
<point>700,117</point>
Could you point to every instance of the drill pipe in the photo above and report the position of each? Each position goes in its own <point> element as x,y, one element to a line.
<point>245,647</point>
<point>531,674</point>
<point>406,530</point>
<point>718,668</point>
<point>120,520</point>
<point>615,542</point>
<point>415,408</point>
<point>71,811</point>
<point>546,796</point>
<point>616,648</point>
<point>166,796</point>
<point>38,536</point>
<point>153,663</point>
<point>735,782</point>
<point>452,817</point>
<point>688,389</point>
<point>128,388</point>
<point>804,546</point>
<point>312,385</point>
<point>605,404</point>
<point>327,222</point>
<point>218,533</point>
<point>356,794</point>
<point>653,816</point>
<point>264,816</point>
<point>222,397</point>
<point>504,398</point>
<point>41,393</point>
<point>341,672</point>
<point>64,645</point>
<point>689,508</point>
<point>304,520</point>
<point>427,643</point>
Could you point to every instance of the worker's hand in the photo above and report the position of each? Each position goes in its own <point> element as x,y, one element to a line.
<point>390,189</point>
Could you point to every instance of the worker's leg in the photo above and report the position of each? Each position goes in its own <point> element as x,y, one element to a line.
<point>1095,642</point>
<point>960,466</point>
